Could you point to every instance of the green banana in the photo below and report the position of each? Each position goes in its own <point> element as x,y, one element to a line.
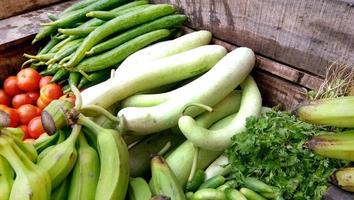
<point>45,141</point>
<point>163,180</point>
<point>337,112</point>
<point>138,189</point>
<point>44,153</point>
<point>113,152</point>
<point>27,148</point>
<point>344,178</point>
<point>60,160</point>
<point>140,154</point>
<point>339,145</point>
<point>31,182</point>
<point>17,132</point>
<point>61,192</point>
<point>6,178</point>
<point>85,174</point>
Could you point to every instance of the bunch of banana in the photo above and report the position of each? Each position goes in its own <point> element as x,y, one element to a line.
<point>335,145</point>
<point>338,112</point>
<point>28,175</point>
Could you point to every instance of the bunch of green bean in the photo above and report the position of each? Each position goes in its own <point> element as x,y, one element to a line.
<point>90,38</point>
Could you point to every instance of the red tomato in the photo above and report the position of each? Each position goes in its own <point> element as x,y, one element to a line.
<point>25,130</point>
<point>28,79</point>
<point>34,96</point>
<point>45,80</point>
<point>69,97</point>
<point>41,104</point>
<point>21,99</point>
<point>50,92</point>
<point>11,114</point>
<point>5,99</point>
<point>27,112</point>
<point>35,128</point>
<point>10,86</point>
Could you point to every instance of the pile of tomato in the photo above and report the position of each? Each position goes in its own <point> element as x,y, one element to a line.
<point>23,98</point>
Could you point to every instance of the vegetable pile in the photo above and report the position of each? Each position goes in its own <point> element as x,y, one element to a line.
<point>90,38</point>
<point>176,119</point>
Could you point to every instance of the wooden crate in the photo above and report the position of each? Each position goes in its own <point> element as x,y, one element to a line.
<point>295,41</point>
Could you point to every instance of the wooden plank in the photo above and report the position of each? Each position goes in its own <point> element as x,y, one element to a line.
<point>279,92</point>
<point>18,29</point>
<point>286,72</point>
<point>16,35</point>
<point>10,8</point>
<point>303,34</point>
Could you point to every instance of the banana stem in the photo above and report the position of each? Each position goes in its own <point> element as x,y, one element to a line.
<point>84,121</point>
<point>75,132</point>
<point>195,163</point>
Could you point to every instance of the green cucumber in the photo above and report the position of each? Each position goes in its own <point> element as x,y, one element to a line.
<point>213,182</point>
<point>60,75</point>
<point>121,52</point>
<point>80,15</point>
<point>117,24</point>
<point>167,22</point>
<point>98,75</point>
<point>251,195</point>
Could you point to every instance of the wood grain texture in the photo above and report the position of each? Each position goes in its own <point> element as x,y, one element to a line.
<point>16,34</point>
<point>15,30</point>
<point>306,34</point>
<point>10,8</point>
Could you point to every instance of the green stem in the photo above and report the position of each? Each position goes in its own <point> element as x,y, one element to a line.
<point>78,101</point>
<point>195,163</point>
<point>205,107</point>
<point>100,110</point>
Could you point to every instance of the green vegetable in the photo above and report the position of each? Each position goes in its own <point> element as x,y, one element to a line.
<point>196,181</point>
<point>80,15</point>
<point>161,23</point>
<point>108,15</point>
<point>214,182</point>
<point>271,150</point>
<point>118,24</point>
<point>118,54</point>
<point>251,195</point>
<point>102,74</point>
<point>60,75</point>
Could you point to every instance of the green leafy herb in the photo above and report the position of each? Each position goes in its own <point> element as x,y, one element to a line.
<point>271,150</point>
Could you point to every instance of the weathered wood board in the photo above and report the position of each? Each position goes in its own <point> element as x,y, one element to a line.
<point>303,34</point>
<point>10,8</point>
<point>16,34</point>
